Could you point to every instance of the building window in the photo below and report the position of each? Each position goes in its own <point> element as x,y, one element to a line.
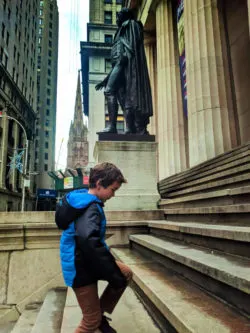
<point>49,82</point>
<point>48,101</point>
<point>47,123</point>
<point>47,134</point>
<point>108,65</point>
<point>45,167</point>
<point>47,112</point>
<point>46,145</point>
<point>7,39</point>
<point>41,3</point>
<point>1,54</point>
<point>3,29</point>
<point>46,156</point>
<point>40,21</point>
<point>108,39</point>
<point>107,1</point>
<point>108,17</point>
<point>6,61</point>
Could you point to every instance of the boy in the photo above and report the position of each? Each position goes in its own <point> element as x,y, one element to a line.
<point>85,257</point>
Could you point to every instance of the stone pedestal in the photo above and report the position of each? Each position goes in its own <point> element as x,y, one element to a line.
<point>137,160</point>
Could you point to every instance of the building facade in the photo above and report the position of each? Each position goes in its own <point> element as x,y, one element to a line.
<point>18,60</point>
<point>198,57</point>
<point>47,61</point>
<point>77,144</point>
<point>95,62</point>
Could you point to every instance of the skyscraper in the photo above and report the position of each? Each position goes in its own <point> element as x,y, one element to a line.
<point>18,57</point>
<point>47,60</point>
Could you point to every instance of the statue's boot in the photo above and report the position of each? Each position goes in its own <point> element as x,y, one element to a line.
<point>141,126</point>
<point>113,112</point>
<point>130,121</point>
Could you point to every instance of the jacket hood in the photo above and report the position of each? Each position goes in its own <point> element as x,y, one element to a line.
<point>81,198</point>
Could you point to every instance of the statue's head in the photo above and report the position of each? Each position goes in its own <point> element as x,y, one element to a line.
<point>124,15</point>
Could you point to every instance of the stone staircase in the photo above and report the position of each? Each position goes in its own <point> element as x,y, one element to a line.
<point>191,258</point>
<point>60,313</point>
<point>192,270</point>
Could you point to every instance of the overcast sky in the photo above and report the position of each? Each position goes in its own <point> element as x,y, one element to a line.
<point>73,18</point>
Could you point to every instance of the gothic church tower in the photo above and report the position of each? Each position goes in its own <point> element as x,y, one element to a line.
<point>77,143</point>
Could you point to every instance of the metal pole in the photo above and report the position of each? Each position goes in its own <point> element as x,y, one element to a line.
<point>24,172</point>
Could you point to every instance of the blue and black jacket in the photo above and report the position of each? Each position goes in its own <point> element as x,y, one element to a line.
<point>85,257</point>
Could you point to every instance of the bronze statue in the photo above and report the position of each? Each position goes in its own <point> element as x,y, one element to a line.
<point>128,81</point>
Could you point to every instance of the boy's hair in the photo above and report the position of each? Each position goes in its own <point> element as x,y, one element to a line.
<point>107,173</point>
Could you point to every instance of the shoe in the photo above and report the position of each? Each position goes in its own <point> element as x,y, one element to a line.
<point>105,327</point>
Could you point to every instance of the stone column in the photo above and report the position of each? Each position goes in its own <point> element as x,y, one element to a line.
<point>211,132</point>
<point>172,151</point>
<point>150,50</point>
<point>4,150</point>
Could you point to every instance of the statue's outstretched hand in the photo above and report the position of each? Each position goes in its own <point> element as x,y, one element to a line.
<point>100,86</point>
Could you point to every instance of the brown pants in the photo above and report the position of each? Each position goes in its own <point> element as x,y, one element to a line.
<point>92,307</point>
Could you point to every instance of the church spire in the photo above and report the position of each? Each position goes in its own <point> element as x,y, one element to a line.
<point>77,143</point>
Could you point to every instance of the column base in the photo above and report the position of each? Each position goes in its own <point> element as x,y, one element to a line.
<point>137,161</point>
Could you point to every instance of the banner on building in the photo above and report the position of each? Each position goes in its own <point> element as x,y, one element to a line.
<point>182,54</point>
<point>68,182</point>
<point>46,193</point>
<point>85,180</point>
<point>16,162</point>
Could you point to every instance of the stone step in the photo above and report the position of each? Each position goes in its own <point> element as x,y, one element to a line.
<point>233,239</point>
<point>27,319</point>
<point>229,194</point>
<point>129,314</point>
<point>220,160</point>
<point>237,164</point>
<point>226,209</point>
<point>232,232</point>
<point>186,307</point>
<point>49,318</point>
<point>7,327</point>
<point>227,276</point>
<point>8,314</point>
<point>231,181</point>
<point>231,270</point>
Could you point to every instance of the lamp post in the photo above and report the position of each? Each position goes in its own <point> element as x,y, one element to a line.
<point>26,153</point>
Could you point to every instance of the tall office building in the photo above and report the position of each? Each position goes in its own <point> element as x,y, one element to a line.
<point>18,57</point>
<point>47,59</point>
<point>95,62</point>
<point>77,143</point>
